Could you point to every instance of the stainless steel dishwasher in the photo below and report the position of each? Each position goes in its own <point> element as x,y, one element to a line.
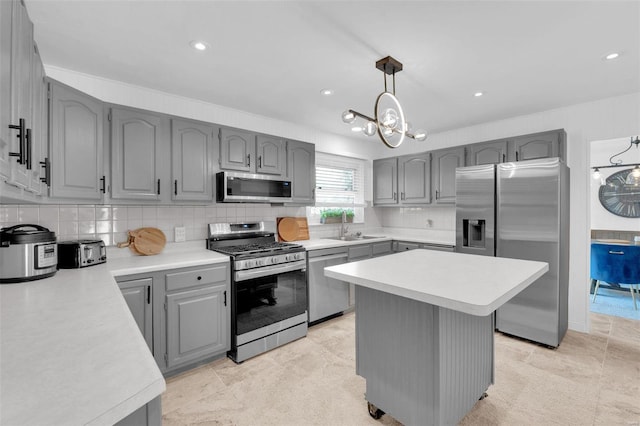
<point>327,296</point>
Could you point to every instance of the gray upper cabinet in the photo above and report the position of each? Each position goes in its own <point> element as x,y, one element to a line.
<point>540,145</point>
<point>487,153</point>
<point>138,295</point>
<point>198,314</point>
<point>39,133</point>
<point>301,170</point>
<point>191,160</point>
<point>246,152</point>
<point>385,181</point>
<point>17,56</point>
<point>444,164</point>
<point>414,178</point>
<point>237,150</point>
<point>76,137</point>
<point>140,155</point>
<point>272,157</point>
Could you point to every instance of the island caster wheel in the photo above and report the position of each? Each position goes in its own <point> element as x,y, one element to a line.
<point>483,396</point>
<point>374,411</point>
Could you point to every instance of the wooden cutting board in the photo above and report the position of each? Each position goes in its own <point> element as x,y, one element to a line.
<point>293,228</point>
<point>145,241</point>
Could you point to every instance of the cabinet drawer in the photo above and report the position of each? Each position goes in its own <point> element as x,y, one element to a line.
<point>196,277</point>
<point>402,246</point>
<point>381,248</point>
<point>358,252</point>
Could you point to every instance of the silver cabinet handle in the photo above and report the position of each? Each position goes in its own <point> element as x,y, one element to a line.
<point>394,195</point>
<point>615,252</point>
<point>249,160</point>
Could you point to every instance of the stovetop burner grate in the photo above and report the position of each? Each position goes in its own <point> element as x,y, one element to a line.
<point>257,248</point>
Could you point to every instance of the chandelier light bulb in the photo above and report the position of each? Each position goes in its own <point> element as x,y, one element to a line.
<point>370,128</point>
<point>390,118</point>
<point>348,117</point>
<point>420,135</point>
<point>596,174</point>
<point>636,172</point>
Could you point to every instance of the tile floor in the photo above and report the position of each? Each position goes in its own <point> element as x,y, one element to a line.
<point>591,379</point>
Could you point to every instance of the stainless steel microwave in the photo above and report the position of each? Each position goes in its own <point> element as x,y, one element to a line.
<point>234,187</point>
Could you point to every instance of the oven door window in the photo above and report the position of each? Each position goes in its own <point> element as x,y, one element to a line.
<point>264,301</point>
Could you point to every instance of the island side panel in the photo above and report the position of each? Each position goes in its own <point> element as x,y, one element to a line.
<point>396,355</point>
<point>466,362</point>
<point>423,364</point>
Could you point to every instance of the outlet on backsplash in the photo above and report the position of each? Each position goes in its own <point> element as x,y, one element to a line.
<point>180,234</point>
<point>429,223</point>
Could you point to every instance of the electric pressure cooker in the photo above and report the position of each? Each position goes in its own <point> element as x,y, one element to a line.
<point>27,253</point>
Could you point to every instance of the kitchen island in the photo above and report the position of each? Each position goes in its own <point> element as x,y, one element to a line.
<point>424,329</point>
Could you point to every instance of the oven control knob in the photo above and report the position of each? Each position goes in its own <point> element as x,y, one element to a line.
<point>274,260</point>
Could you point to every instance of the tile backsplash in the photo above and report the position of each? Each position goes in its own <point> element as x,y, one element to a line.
<point>110,223</point>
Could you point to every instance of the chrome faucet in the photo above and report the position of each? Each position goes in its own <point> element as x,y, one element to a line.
<point>343,229</point>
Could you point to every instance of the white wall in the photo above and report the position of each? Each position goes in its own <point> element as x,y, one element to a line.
<point>601,151</point>
<point>584,123</point>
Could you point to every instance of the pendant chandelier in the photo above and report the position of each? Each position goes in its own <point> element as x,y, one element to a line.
<point>633,178</point>
<point>389,121</point>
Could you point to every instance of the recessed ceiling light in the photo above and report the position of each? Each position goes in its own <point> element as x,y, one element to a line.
<point>326,92</point>
<point>478,94</point>
<point>198,45</point>
<point>612,55</point>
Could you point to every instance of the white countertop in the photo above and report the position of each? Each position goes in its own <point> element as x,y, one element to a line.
<point>473,284</point>
<point>70,350</point>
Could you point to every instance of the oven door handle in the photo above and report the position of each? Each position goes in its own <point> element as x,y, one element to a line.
<point>265,271</point>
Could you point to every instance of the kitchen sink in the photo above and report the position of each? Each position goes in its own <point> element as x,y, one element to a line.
<point>356,238</point>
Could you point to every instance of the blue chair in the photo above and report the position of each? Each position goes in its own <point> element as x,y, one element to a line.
<point>616,264</point>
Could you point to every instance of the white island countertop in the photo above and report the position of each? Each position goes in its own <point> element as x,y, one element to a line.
<point>477,285</point>
<point>71,352</point>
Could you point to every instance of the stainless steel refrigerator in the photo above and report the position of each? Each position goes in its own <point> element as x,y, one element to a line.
<point>520,210</point>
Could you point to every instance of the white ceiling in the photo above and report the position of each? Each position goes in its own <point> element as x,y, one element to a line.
<point>273,57</point>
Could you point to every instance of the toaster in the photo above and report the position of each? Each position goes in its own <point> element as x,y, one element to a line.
<point>81,253</point>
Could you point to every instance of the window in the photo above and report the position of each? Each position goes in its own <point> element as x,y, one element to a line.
<point>339,184</point>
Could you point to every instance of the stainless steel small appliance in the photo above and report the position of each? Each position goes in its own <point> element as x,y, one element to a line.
<point>81,253</point>
<point>27,253</point>
<point>268,287</point>
<point>234,187</point>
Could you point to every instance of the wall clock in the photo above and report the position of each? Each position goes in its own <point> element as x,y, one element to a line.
<point>619,198</point>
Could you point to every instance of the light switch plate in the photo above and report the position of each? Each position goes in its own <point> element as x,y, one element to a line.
<point>180,234</point>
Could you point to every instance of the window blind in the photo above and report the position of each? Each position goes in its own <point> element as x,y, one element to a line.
<point>339,180</point>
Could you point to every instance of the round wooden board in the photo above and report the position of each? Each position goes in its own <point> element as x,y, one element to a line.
<point>288,229</point>
<point>148,241</point>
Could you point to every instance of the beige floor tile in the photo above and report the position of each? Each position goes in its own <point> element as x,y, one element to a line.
<point>590,379</point>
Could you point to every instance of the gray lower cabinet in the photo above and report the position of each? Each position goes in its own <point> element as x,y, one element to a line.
<point>301,170</point>
<point>444,164</point>
<point>406,245</point>
<point>327,296</point>
<point>138,295</point>
<point>191,160</point>
<point>76,144</point>
<point>197,314</point>
<point>140,155</point>
<point>147,415</point>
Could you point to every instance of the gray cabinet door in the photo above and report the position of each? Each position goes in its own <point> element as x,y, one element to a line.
<point>237,150</point>
<point>20,60</point>
<point>414,179</point>
<point>5,91</point>
<point>139,155</point>
<point>137,294</point>
<point>191,154</point>
<point>404,245</point>
<point>271,154</point>
<point>385,181</point>
<point>301,170</point>
<point>444,166</point>
<point>542,145</point>
<point>197,324</point>
<point>487,153</point>
<point>76,137</point>
<point>39,131</point>
<point>382,248</point>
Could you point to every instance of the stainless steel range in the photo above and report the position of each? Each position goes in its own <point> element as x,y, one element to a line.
<point>268,286</point>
